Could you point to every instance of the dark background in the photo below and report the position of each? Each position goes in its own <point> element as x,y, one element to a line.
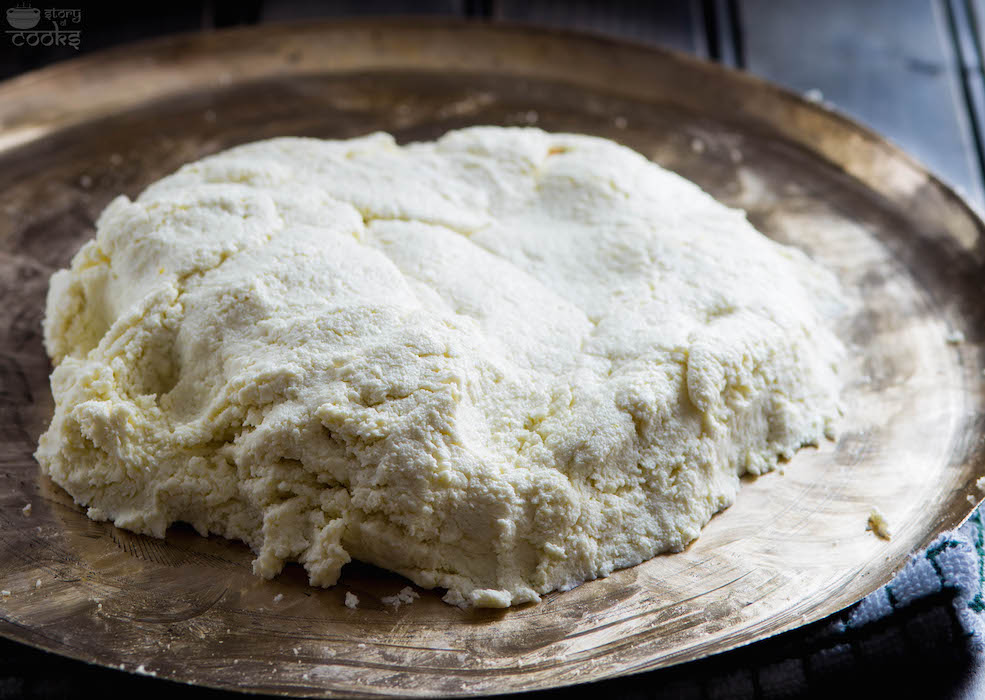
<point>910,69</point>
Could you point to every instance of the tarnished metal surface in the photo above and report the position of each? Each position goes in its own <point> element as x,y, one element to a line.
<point>793,549</point>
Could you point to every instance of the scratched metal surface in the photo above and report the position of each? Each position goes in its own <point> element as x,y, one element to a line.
<point>793,549</point>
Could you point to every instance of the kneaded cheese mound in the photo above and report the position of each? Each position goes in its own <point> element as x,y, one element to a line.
<point>502,363</point>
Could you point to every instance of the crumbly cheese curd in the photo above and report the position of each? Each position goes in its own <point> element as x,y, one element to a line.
<point>501,363</point>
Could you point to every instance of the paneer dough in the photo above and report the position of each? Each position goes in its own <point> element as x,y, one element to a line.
<point>502,363</point>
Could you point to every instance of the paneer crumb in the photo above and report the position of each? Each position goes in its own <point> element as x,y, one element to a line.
<point>279,597</point>
<point>351,600</point>
<point>406,596</point>
<point>879,525</point>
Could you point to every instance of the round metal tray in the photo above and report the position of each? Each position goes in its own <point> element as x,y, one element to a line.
<point>794,547</point>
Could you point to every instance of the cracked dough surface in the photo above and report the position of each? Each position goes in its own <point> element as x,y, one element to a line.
<point>501,363</point>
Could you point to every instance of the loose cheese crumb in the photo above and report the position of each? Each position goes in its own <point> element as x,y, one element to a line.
<point>406,596</point>
<point>879,524</point>
<point>351,600</point>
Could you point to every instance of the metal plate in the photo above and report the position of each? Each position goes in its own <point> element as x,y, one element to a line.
<point>794,547</point>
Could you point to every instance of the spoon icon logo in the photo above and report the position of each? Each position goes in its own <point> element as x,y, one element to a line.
<point>23,17</point>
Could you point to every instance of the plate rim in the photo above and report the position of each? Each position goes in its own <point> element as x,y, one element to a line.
<point>108,60</point>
